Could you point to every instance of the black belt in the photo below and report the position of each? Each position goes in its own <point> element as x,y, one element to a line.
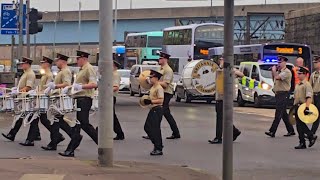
<point>157,107</point>
<point>282,92</point>
<point>82,97</point>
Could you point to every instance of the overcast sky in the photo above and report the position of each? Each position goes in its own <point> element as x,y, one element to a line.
<point>69,5</point>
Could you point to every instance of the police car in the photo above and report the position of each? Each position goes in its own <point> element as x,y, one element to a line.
<point>256,86</point>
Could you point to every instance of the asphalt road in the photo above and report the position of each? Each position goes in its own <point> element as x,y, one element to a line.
<point>256,156</point>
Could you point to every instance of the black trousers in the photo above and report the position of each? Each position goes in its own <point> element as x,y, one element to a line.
<point>84,103</point>
<point>302,129</point>
<point>168,116</point>
<point>34,127</point>
<point>55,135</point>
<point>18,125</point>
<point>219,121</point>
<point>281,112</point>
<point>316,99</point>
<point>152,127</point>
<point>116,124</point>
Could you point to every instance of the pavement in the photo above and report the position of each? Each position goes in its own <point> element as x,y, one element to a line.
<point>256,156</point>
<point>44,168</point>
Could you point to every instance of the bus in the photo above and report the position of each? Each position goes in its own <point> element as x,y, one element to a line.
<point>142,47</point>
<point>190,42</point>
<point>267,52</point>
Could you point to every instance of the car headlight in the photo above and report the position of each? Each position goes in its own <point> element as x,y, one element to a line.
<point>265,86</point>
<point>42,71</point>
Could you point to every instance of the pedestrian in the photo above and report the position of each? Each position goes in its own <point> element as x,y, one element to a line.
<point>299,63</point>
<point>62,80</point>
<point>26,83</point>
<point>46,78</point>
<point>84,85</point>
<point>282,85</point>
<point>167,84</point>
<point>153,121</point>
<point>303,94</point>
<point>219,109</point>
<point>315,83</point>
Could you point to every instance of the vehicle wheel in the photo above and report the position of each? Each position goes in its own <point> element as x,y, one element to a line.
<point>186,97</point>
<point>178,99</point>
<point>257,103</point>
<point>131,92</point>
<point>209,101</point>
<point>240,101</point>
<point>140,93</point>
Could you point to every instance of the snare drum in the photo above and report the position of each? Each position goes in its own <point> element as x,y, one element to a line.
<point>8,104</point>
<point>21,105</point>
<point>43,103</point>
<point>67,103</point>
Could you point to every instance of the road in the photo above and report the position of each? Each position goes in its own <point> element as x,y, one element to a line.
<point>255,155</point>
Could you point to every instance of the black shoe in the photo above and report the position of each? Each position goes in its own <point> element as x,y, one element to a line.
<point>117,138</point>
<point>38,138</point>
<point>27,143</point>
<point>145,137</point>
<point>61,139</point>
<point>9,136</point>
<point>290,134</point>
<point>174,137</point>
<point>236,135</point>
<point>156,153</point>
<point>301,146</point>
<point>312,140</point>
<point>49,148</point>
<point>271,134</point>
<point>215,141</point>
<point>67,154</point>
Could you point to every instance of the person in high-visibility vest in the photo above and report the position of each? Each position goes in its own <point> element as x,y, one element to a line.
<point>299,63</point>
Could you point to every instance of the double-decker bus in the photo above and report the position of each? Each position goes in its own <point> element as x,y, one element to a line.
<point>188,42</point>
<point>142,47</point>
<point>267,52</point>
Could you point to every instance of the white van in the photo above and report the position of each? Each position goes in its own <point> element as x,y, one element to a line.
<point>257,84</point>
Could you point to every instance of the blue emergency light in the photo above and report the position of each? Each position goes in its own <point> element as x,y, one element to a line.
<point>272,59</point>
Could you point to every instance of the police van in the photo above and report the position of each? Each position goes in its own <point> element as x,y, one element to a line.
<point>256,86</point>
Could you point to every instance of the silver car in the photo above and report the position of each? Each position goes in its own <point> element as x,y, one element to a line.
<point>134,78</point>
<point>125,79</point>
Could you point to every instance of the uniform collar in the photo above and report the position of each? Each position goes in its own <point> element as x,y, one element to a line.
<point>164,66</point>
<point>302,82</point>
<point>28,70</point>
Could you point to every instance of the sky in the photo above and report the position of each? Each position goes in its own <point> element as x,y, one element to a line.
<point>70,5</point>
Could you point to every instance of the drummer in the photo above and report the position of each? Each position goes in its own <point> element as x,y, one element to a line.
<point>62,80</point>
<point>26,83</point>
<point>84,85</point>
<point>46,78</point>
<point>303,94</point>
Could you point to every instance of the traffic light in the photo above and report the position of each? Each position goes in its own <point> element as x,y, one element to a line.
<point>34,17</point>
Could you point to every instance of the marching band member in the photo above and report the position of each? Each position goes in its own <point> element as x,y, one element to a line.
<point>315,83</point>
<point>219,112</point>
<point>153,121</point>
<point>166,83</point>
<point>26,83</point>
<point>46,78</point>
<point>282,84</point>
<point>62,80</point>
<point>303,94</point>
<point>85,83</point>
<point>116,84</point>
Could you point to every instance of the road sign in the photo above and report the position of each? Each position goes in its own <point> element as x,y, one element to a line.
<point>9,19</point>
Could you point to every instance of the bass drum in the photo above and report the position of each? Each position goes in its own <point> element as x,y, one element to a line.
<point>198,77</point>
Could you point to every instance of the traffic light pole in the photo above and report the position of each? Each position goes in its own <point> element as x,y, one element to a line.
<point>20,50</point>
<point>105,113</point>
<point>27,29</point>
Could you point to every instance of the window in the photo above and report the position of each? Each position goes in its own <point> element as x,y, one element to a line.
<point>174,64</point>
<point>209,33</point>
<point>133,70</point>
<point>178,37</point>
<point>246,70</point>
<point>255,73</point>
<point>154,41</point>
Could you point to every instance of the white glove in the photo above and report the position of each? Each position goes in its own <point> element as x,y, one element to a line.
<point>14,88</point>
<point>65,90</point>
<point>15,92</point>
<point>47,91</point>
<point>77,87</point>
<point>51,85</point>
<point>32,92</point>
<point>148,80</point>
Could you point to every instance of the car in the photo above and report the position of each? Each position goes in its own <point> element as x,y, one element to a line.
<point>135,72</point>
<point>125,79</point>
